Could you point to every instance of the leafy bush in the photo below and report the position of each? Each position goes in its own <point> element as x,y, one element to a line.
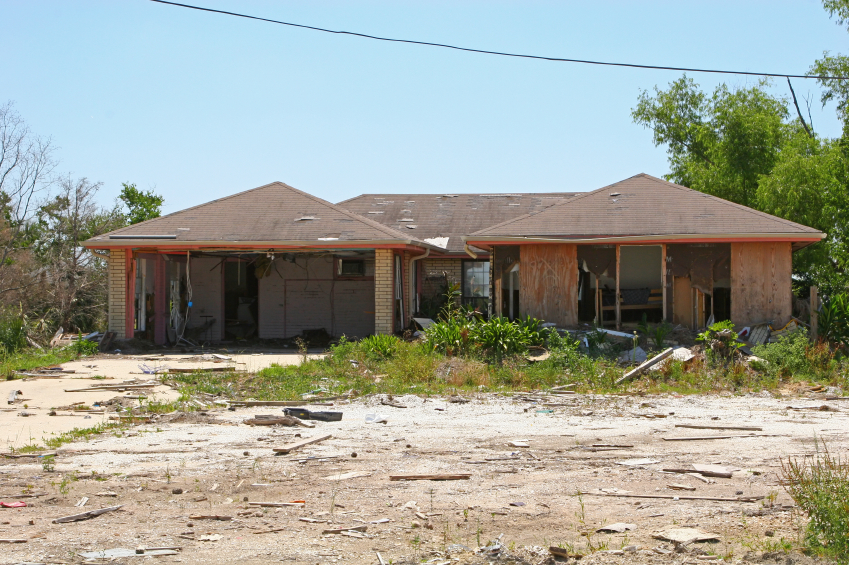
<point>13,334</point>
<point>794,355</point>
<point>833,319</point>
<point>83,347</point>
<point>720,340</point>
<point>820,487</point>
<point>499,337</point>
<point>380,346</point>
<point>450,337</point>
<point>535,334</point>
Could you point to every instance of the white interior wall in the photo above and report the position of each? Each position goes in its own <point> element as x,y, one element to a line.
<point>207,295</point>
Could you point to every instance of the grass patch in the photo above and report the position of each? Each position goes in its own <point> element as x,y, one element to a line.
<point>819,485</point>
<point>78,434</point>
<point>29,359</point>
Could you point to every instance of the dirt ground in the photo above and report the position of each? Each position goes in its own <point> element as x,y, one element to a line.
<point>173,474</point>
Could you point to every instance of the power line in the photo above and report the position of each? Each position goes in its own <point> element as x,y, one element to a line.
<point>486,52</point>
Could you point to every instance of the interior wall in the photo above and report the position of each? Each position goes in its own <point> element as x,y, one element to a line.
<point>761,283</point>
<point>305,296</point>
<point>549,281</point>
<point>640,266</point>
<point>207,295</point>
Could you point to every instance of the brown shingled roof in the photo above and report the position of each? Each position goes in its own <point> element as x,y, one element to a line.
<point>643,205</point>
<point>449,216</point>
<point>274,212</point>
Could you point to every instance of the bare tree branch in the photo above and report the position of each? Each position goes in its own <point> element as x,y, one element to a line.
<point>798,111</point>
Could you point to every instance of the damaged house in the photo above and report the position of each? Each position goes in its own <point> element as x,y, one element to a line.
<point>274,262</point>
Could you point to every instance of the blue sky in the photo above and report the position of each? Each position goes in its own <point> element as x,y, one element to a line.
<point>197,106</point>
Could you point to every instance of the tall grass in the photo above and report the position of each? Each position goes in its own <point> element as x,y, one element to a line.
<point>819,485</point>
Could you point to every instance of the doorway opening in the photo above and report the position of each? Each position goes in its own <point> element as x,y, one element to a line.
<point>241,300</point>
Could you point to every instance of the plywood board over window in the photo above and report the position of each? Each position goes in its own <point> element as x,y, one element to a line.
<point>761,288</point>
<point>549,280</point>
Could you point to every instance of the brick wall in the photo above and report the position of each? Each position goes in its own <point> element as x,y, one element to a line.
<point>117,321</point>
<point>384,291</point>
<point>432,280</point>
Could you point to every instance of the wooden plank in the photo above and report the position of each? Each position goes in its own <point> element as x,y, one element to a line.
<point>340,530</point>
<point>446,477</point>
<point>682,302</point>
<point>276,504</point>
<point>680,497</point>
<point>11,540</point>
<point>549,283</point>
<point>709,427</point>
<point>761,285</point>
<point>299,444</point>
<point>703,472</point>
<point>618,302</point>
<point>645,365</point>
<point>702,438</point>
<point>86,515</point>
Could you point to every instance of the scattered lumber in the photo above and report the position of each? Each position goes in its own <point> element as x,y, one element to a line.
<point>299,444</point>
<point>299,503</point>
<point>341,530</point>
<point>645,365</point>
<point>8,540</point>
<point>112,387</point>
<point>86,515</point>
<point>703,438</point>
<point>210,517</point>
<point>445,477</point>
<point>271,531</point>
<point>260,420</point>
<point>266,403</point>
<point>13,396</point>
<point>680,497</point>
<point>709,427</point>
<point>678,486</point>
<point>392,403</point>
<point>716,474</point>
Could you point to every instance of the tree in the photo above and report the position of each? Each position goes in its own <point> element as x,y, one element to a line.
<point>835,90</point>
<point>743,145</point>
<point>140,205</point>
<point>26,168</point>
<point>72,280</point>
<point>719,144</point>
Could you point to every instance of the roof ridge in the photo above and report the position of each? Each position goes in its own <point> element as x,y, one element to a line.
<point>523,216</point>
<point>377,225</point>
<point>742,207</point>
<point>660,181</point>
<point>197,206</point>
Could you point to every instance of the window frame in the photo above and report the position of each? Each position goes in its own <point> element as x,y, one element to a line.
<point>466,298</point>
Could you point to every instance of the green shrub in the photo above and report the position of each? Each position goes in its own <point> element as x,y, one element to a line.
<point>793,355</point>
<point>450,337</point>
<point>83,347</point>
<point>380,346</point>
<point>498,337</point>
<point>720,340</point>
<point>833,319</point>
<point>820,487</point>
<point>534,334</point>
<point>13,333</point>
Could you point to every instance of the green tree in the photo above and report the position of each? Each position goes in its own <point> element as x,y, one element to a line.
<point>745,146</point>
<point>140,205</point>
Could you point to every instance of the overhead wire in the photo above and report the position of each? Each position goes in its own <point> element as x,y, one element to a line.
<point>499,53</point>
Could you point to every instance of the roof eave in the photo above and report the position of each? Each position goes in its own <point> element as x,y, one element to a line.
<point>798,237</point>
<point>105,243</point>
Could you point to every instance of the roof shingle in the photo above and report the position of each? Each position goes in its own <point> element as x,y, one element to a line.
<point>643,205</point>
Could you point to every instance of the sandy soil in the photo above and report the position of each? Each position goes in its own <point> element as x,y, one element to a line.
<point>167,473</point>
<point>42,395</point>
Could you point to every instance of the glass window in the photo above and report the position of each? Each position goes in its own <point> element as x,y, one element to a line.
<point>475,282</point>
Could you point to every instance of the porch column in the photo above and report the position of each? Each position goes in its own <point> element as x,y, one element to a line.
<point>160,301</point>
<point>117,296</point>
<point>384,291</point>
<point>130,310</point>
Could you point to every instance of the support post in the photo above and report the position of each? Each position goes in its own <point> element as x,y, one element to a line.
<point>814,313</point>
<point>130,312</point>
<point>510,274</point>
<point>618,309</point>
<point>663,276</point>
<point>595,301</point>
<point>159,301</point>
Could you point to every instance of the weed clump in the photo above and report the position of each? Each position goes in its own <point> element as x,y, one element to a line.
<point>819,485</point>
